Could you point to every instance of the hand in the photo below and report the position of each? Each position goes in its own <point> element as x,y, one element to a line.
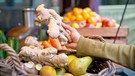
<point>74,35</point>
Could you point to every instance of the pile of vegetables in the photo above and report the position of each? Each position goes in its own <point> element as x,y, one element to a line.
<point>37,53</point>
<point>43,58</point>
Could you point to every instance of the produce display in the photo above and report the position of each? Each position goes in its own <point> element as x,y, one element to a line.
<point>49,57</point>
<point>79,18</point>
<point>40,59</point>
<point>55,30</point>
<point>46,54</point>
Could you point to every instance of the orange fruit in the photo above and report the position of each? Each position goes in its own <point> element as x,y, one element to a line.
<point>79,17</point>
<point>76,11</point>
<point>66,19</point>
<point>85,15</point>
<point>91,20</point>
<point>69,14</point>
<point>94,14</point>
<point>72,18</point>
<point>87,9</point>
<point>84,11</point>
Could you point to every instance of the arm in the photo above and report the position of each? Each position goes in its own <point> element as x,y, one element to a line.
<point>123,54</point>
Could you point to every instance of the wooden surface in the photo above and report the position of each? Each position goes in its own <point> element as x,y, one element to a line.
<point>118,41</point>
<point>107,33</point>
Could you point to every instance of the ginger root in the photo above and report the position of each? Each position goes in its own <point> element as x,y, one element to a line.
<point>36,54</point>
<point>53,32</point>
<point>32,41</point>
<point>29,67</point>
<point>54,27</point>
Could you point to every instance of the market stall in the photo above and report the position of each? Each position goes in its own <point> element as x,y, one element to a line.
<point>39,56</point>
<point>50,56</point>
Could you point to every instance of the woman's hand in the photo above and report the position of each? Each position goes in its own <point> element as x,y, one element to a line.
<point>74,35</point>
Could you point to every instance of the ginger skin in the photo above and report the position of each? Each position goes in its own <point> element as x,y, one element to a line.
<point>53,32</point>
<point>54,27</point>
<point>47,56</point>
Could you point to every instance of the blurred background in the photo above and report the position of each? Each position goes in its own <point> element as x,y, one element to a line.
<point>11,11</point>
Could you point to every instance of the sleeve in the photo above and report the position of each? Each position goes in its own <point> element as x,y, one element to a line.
<point>120,53</point>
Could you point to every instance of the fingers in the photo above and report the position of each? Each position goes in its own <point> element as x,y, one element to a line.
<point>68,27</point>
<point>72,45</point>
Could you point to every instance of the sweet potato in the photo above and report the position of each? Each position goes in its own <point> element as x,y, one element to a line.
<point>46,44</point>
<point>55,43</point>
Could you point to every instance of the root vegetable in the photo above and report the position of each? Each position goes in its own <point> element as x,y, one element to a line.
<point>47,56</point>
<point>43,15</point>
<point>54,27</point>
<point>63,39</point>
<point>38,66</point>
<point>32,41</point>
<point>46,44</point>
<point>55,15</point>
<point>30,68</point>
<point>53,32</point>
<point>30,64</point>
<point>55,43</point>
<point>60,59</point>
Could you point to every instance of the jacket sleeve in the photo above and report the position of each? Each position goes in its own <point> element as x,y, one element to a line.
<point>123,54</point>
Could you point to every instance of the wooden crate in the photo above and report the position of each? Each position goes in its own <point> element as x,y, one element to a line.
<point>107,33</point>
